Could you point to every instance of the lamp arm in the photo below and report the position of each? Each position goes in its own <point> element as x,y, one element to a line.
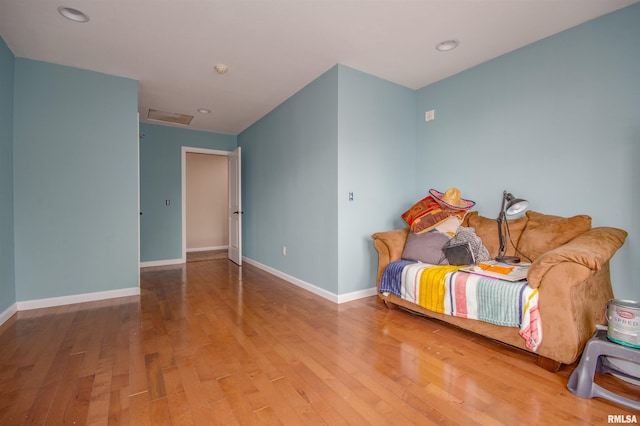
<point>501,217</point>
<point>504,200</point>
<point>501,237</point>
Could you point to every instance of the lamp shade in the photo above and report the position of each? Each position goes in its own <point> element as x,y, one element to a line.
<point>516,205</point>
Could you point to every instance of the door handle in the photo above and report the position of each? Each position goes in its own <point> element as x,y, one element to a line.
<point>236,212</point>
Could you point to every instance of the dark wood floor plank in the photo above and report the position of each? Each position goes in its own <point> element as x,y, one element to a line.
<point>155,378</point>
<point>79,404</point>
<point>118,415</point>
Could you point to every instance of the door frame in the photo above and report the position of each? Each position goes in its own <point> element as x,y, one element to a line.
<point>183,167</point>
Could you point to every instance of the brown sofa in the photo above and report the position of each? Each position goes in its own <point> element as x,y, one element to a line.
<point>570,268</point>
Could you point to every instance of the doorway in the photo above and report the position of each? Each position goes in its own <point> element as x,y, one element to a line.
<point>207,232</point>
<point>207,208</point>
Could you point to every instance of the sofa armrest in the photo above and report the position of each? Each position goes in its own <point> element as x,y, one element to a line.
<point>572,301</point>
<point>593,249</point>
<point>389,245</point>
<point>574,287</point>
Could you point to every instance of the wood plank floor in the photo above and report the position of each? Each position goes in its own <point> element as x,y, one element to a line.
<point>200,256</point>
<point>211,343</point>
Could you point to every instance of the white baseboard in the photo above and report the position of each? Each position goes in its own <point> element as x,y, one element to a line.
<point>161,262</point>
<point>8,313</point>
<point>77,298</point>
<point>335,298</point>
<point>355,295</point>
<point>189,250</point>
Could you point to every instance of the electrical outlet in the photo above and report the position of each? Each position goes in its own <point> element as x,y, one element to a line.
<point>284,250</point>
<point>430,115</point>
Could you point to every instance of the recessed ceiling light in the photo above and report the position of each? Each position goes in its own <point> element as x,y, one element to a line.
<point>221,68</point>
<point>447,45</point>
<point>204,111</point>
<point>73,14</point>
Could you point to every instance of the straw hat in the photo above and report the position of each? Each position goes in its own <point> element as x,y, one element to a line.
<point>451,200</point>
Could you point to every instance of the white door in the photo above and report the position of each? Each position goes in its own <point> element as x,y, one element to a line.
<point>235,208</point>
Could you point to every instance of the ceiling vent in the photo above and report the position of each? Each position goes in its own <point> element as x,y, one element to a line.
<point>169,117</point>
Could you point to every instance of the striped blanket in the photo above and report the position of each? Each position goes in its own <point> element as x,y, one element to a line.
<point>443,290</point>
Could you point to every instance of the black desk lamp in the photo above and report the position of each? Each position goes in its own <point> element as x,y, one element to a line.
<point>510,206</point>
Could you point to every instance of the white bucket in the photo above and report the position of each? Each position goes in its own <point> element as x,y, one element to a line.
<point>624,322</point>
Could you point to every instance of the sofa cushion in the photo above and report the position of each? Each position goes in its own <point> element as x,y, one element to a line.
<point>547,232</point>
<point>487,230</point>
<point>426,247</point>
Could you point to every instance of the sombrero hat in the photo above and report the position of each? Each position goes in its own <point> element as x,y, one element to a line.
<point>451,200</point>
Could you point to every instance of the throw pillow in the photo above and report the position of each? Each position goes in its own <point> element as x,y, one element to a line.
<point>424,215</point>
<point>449,226</point>
<point>546,232</point>
<point>487,230</point>
<point>426,247</point>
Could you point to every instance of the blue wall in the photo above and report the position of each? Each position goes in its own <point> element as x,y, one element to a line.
<point>376,130</point>
<point>345,132</point>
<point>75,175</point>
<point>7,276</point>
<point>161,179</point>
<point>289,182</point>
<point>556,122</point>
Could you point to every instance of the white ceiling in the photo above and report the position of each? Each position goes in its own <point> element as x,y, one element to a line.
<point>274,48</point>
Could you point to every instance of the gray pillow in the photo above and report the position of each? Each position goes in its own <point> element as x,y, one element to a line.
<point>426,247</point>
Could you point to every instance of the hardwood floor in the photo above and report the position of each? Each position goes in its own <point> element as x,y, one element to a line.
<point>210,343</point>
<point>200,256</point>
